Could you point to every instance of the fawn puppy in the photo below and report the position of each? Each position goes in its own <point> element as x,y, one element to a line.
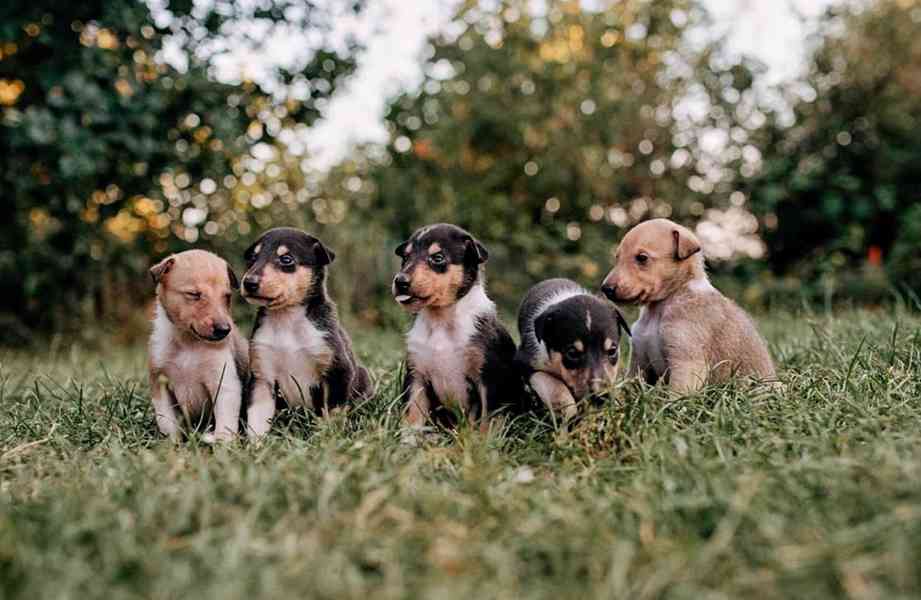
<point>298,351</point>
<point>459,356</point>
<point>688,333</point>
<point>570,343</point>
<point>197,358</point>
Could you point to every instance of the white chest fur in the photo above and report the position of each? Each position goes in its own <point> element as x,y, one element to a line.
<point>648,346</point>
<point>197,372</point>
<point>438,344</point>
<point>289,350</point>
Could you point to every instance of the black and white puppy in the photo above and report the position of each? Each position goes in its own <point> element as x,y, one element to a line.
<point>569,343</point>
<point>459,356</point>
<point>298,350</point>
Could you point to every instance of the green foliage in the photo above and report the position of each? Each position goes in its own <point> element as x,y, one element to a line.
<point>549,134</point>
<point>843,180</point>
<point>812,492</point>
<point>104,147</point>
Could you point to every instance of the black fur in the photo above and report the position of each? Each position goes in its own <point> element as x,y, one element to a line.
<point>497,376</point>
<point>458,246</point>
<point>550,324</point>
<point>346,380</point>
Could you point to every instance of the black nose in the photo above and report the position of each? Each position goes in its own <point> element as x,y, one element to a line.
<point>401,283</point>
<point>219,332</point>
<point>610,291</point>
<point>251,284</point>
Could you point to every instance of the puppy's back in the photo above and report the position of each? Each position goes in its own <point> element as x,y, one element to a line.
<point>732,344</point>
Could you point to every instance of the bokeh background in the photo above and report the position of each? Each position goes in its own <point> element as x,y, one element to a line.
<point>787,134</point>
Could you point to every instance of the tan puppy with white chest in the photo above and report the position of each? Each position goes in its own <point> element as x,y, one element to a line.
<point>198,360</point>
<point>688,333</point>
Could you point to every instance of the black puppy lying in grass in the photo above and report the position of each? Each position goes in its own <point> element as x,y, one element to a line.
<point>569,343</point>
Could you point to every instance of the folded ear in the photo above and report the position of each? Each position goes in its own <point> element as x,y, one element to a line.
<point>685,245</point>
<point>234,282</point>
<point>476,251</point>
<point>622,322</point>
<point>249,253</point>
<point>324,255</point>
<point>159,270</point>
<point>401,249</point>
<point>540,324</point>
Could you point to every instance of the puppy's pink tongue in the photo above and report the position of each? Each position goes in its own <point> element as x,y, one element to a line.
<point>403,298</point>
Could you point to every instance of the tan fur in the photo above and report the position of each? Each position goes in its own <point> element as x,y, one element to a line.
<point>555,395</point>
<point>189,373</point>
<point>438,290</point>
<point>284,289</point>
<point>194,271</point>
<point>688,332</point>
<point>581,381</point>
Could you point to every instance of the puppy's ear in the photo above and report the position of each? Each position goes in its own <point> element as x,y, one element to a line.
<point>476,252</point>
<point>234,282</point>
<point>622,322</point>
<point>685,247</point>
<point>540,325</point>
<point>161,268</point>
<point>324,255</point>
<point>249,253</point>
<point>401,249</point>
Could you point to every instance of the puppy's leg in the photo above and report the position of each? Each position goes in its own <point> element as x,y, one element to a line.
<point>164,406</point>
<point>261,409</point>
<point>687,376</point>
<point>419,409</point>
<point>227,406</point>
<point>484,407</point>
<point>554,394</point>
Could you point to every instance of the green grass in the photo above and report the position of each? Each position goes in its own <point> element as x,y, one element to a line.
<point>809,492</point>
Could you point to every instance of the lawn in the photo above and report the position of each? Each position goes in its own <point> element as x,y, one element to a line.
<point>812,491</point>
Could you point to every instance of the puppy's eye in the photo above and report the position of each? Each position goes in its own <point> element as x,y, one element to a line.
<point>612,354</point>
<point>193,295</point>
<point>573,353</point>
<point>437,259</point>
<point>285,260</point>
<point>642,258</point>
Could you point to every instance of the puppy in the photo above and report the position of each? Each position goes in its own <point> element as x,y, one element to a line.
<point>569,343</point>
<point>459,356</point>
<point>688,333</point>
<point>298,351</point>
<point>197,358</point>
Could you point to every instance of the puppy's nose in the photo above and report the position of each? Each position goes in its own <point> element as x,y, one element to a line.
<point>610,291</point>
<point>251,284</point>
<point>401,283</point>
<point>219,331</point>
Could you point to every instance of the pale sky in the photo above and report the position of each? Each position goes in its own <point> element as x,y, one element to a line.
<point>395,31</point>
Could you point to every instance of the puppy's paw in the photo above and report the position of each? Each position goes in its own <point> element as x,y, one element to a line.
<point>413,437</point>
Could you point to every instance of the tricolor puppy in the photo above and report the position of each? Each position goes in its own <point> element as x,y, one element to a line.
<point>198,360</point>
<point>459,356</point>
<point>688,333</point>
<point>298,351</point>
<point>570,343</point>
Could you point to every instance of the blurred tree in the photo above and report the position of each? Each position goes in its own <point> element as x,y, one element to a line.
<point>548,131</point>
<point>841,186</point>
<point>109,153</point>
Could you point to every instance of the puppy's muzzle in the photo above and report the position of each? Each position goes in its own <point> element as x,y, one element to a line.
<point>401,283</point>
<point>251,284</point>
<point>219,332</point>
<point>610,291</point>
